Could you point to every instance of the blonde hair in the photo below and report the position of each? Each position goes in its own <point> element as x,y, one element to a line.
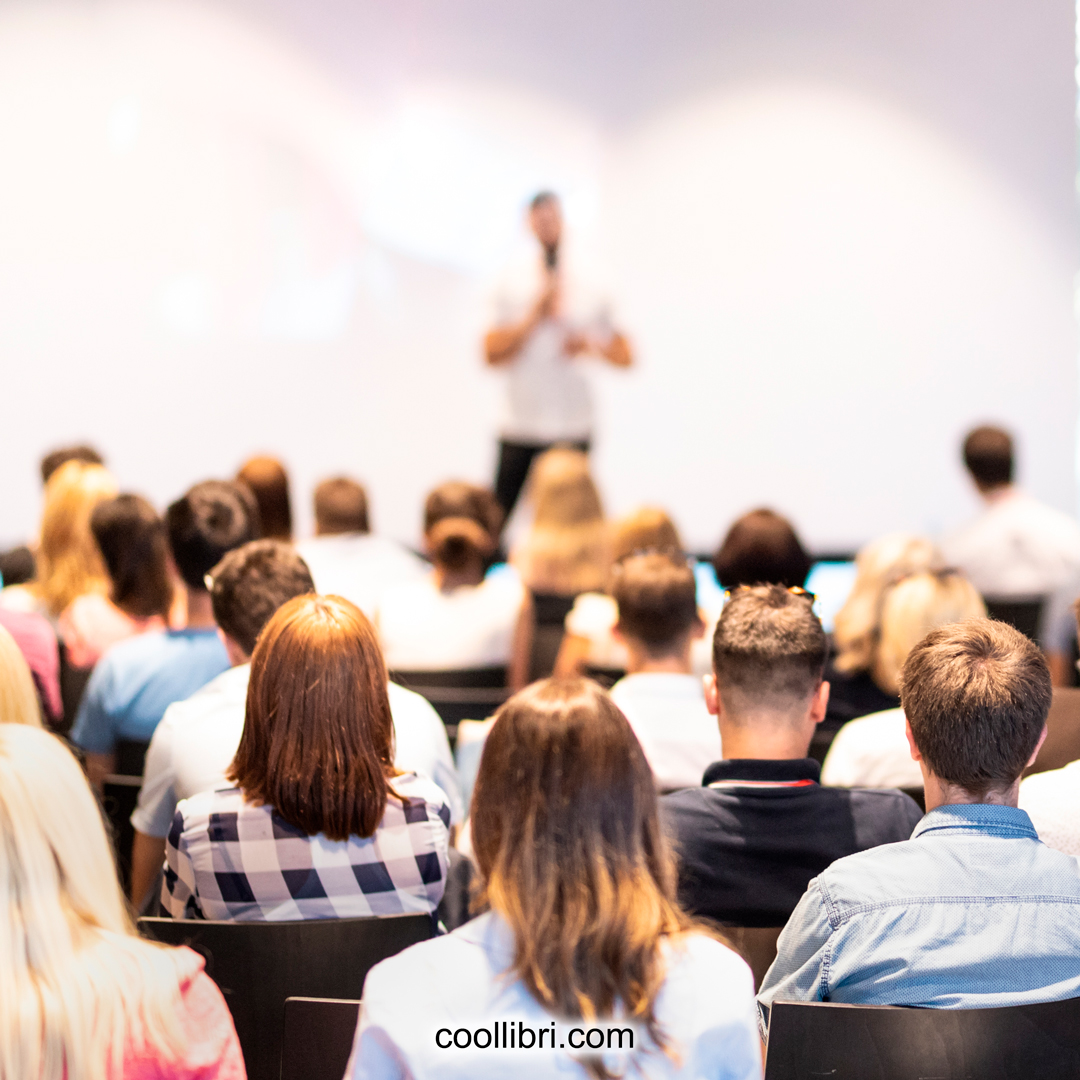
<point>69,562</point>
<point>912,608</point>
<point>567,551</point>
<point>647,529</point>
<point>18,697</point>
<point>856,630</point>
<point>76,984</point>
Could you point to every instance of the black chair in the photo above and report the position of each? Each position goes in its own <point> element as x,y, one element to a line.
<point>607,677</point>
<point>854,1042</point>
<point>1024,613</point>
<point>549,611</point>
<point>918,794</point>
<point>257,965</point>
<point>119,798</point>
<point>462,694</point>
<point>318,1037</point>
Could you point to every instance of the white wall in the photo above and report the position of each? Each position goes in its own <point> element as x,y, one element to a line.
<point>838,236</point>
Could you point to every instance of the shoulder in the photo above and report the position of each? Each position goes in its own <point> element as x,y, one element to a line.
<point>416,791</point>
<point>408,706</point>
<point>196,811</point>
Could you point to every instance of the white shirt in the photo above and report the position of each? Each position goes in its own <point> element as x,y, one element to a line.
<point>424,628</point>
<point>872,752</point>
<point>706,1006</point>
<point>1017,546</point>
<point>1052,801</point>
<point>679,735</point>
<point>196,741</point>
<point>359,566</point>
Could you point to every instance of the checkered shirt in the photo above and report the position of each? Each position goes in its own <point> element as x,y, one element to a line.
<point>228,859</point>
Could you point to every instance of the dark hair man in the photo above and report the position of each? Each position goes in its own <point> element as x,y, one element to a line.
<point>138,679</point>
<point>972,911</point>
<point>760,826</point>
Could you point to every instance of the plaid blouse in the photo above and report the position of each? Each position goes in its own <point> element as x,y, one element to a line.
<point>228,859</point>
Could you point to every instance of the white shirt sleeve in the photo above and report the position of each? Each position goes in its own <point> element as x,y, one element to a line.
<point>157,797</point>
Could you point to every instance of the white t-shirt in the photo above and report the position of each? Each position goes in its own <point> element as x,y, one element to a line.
<point>548,397</point>
<point>872,752</point>
<point>679,735</point>
<point>195,743</point>
<point>425,629</point>
<point>1052,801</point>
<point>359,566</point>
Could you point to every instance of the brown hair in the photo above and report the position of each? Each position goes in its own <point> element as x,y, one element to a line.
<point>976,695</point>
<point>769,644</point>
<point>131,537</point>
<point>55,458</point>
<point>567,836</point>
<point>251,583</point>
<point>657,599</point>
<point>341,506</point>
<point>269,483</point>
<point>205,523</point>
<point>646,529</point>
<point>988,455</point>
<point>761,548</point>
<point>461,523</point>
<point>318,739</point>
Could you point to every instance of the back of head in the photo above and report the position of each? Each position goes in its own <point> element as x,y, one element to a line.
<point>769,650</point>
<point>318,740</point>
<point>18,696</point>
<point>988,455</point>
<point>914,606</point>
<point>976,695</point>
<point>69,563</point>
<point>269,483</point>
<point>461,524</point>
<point>211,519</point>
<point>566,833</point>
<point>55,458</point>
<point>657,599</point>
<point>251,583</point>
<point>646,529</point>
<point>341,506</point>
<point>131,538</point>
<point>761,548</point>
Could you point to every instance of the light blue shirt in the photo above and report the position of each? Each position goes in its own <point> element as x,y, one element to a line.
<point>972,912</point>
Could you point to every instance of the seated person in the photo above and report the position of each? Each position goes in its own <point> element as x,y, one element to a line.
<point>583,926</point>
<point>139,679</point>
<point>268,482</point>
<point>972,911</point>
<point>84,995</point>
<point>760,827</point>
<point>196,741</point>
<point>345,558</point>
<point>456,617</point>
<point>665,704</point>
<point>319,824</point>
<point>873,750</point>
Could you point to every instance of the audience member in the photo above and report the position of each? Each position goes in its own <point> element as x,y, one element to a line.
<point>345,558</point>
<point>664,702</point>
<point>760,826</point>
<point>131,538</point>
<point>61,456</point>
<point>872,751</point>
<point>972,911</point>
<point>456,616</point>
<point>36,639</point>
<point>761,548</point>
<point>138,679</point>
<point>18,697</point>
<point>269,483</point>
<point>83,996</point>
<point>320,824</point>
<point>583,926</point>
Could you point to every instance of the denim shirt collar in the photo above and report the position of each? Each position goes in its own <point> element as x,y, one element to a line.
<point>990,820</point>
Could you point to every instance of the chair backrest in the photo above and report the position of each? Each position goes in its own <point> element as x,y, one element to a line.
<point>1025,613</point>
<point>257,965</point>
<point>607,677</point>
<point>756,945</point>
<point>852,1042</point>
<point>318,1037</point>
<point>119,797</point>
<point>1062,731</point>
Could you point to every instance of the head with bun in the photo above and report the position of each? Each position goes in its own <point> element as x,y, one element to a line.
<point>461,532</point>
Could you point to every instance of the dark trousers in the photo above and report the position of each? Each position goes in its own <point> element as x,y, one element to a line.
<point>515,459</point>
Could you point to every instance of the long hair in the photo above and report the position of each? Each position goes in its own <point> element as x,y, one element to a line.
<point>131,537</point>
<point>76,984</point>
<point>566,833</point>
<point>269,483</point>
<point>18,697</point>
<point>69,563</point>
<point>318,739</point>
<point>567,550</point>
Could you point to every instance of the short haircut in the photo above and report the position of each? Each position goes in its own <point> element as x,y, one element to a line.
<point>761,548</point>
<point>55,458</point>
<point>130,535</point>
<point>542,197</point>
<point>769,644</point>
<point>988,455</point>
<point>341,506</point>
<point>657,599</point>
<point>646,529</point>
<point>269,483</point>
<point>251,583</point>
<point>461,522</point>
<point>976,695</point>
<point>210,520</point>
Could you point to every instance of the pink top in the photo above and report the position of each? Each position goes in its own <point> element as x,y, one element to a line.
<point>92,623</point>
<point>211,1049</point>
<point>37,642</point>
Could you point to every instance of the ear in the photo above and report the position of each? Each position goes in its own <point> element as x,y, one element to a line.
<point>916,753</point>
<point>1038,746</point>
<point>819,703</point>
<point>712,694</point>
<point>617,633</point>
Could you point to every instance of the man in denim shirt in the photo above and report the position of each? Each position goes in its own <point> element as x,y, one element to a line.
<point>972,911</point>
